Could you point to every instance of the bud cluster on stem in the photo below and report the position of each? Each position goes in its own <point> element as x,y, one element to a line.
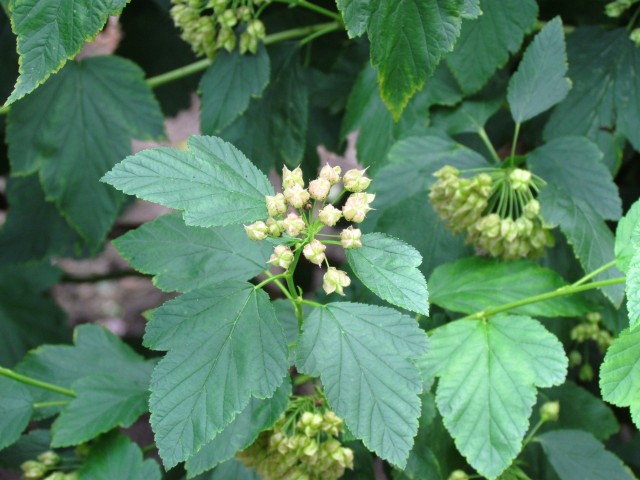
<point>44,468</point>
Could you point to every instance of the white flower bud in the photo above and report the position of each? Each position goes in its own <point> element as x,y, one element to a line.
<point>276,205</point>
<point>334,281</point>
<point>293,224</point>
<point>350,238</point>
<point>331,174</point>
<point>357,205</point>
<point>329,215</point>
<point>319,188</point>
<point>292,177</point>
<point>282,257</point>
<point>257,231</point>
<point>273,227</point>
<point>355,181</point>
<point>314,252</point>
<point>520,179</point>
<point>296,196</point>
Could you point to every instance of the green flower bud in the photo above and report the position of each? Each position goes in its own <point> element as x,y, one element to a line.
<point>292,177</point>
<point>32,470</point>
<point>257,231</point>
<point>228,18</point>
<point>314,252</point>
<point>575,358</point>
<point>586,373</point>
<point>276,205</point>
<point>357,206</point>
<point>334,281</point>
<point>329,215</point>
<point>226,39</point>
<point>244,13</point>
<point>355,181</point>
<point>49,458</point>
<point>634,36</point>
<point>593,317</point>
<point>520,179</point>
<point>458,475</point>
<point>351,238</point>
<point>256,30</point>
<point>293,224</point>
<point>273,227</point>
<point>282,257</point>
<point>550,411</point>
<point>616,9</point>
<point>331,174</point>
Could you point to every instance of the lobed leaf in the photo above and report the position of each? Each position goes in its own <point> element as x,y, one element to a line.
<point>15,411</point>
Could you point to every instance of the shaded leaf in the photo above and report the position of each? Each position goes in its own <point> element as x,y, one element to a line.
<point>356,15</point>
<point>15,411</point>
<point>627,243</point>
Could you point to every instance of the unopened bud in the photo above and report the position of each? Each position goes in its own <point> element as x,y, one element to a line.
<point>71,476</point>
<point>257,231</point>
<point>616,9</point>
<point>292,177</point>
<point>520,179</point>
<point>355,181</point>
<point>33,470</point>
<point>532,209</point>
<point>282,256</point>
<point>293,224</point>
<point>276,205</point>
<point>274,228</point>
<point>357,206</point>
<point>550,411</point>
<point>314,252</point>
<point>335,280</point>
<point>319,188</point>
<point>56,476</point>
<point>330,215</point>
<point>586,373</point>
<point>458,475</point>
<point>296,195</point>
<point>49,458</point>
<point>593,317</point>
<point>634,36</point>
<point>575,358</point>
<point>228,18</point>
<point>256,29</point>
<point>331,174</point>
<point>350,238</point>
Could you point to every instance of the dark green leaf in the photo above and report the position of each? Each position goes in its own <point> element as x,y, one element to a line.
<point>628,237</point>
<point>362,354</point>
<point>228,86</point>
<point>8,56</point>
<point>231,469</point>
<point>218,336</point>
<point>471,9</point>
<point>185,258</point>
<point>27,448</point>
<point>540,82</point>
<point>468,117</point>
<point>15,410</point>
<point>356,15</point>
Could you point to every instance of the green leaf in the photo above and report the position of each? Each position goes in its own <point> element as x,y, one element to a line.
<point>50,32</point>
<point>389,268</point>
<point>577,455</point>
<point>408,38</point>
<point>468,117</point>
<point>627,243</point>
<point>471,9</point>
<point>15,411</point>
<point>102,403</point>
<point>574,165</point>
<point>540,82</point>
<point>228,86</point>
<point>213,183</point>
<point>620,373</point>
<point>604,65</point>
<point>185,258</point>
<point>633,291</point>
<point>356,15</point>
<point>362,354</point>
<point>94,109</point>
<point>116,456</point>
<point>230,469</point>
<point>486,42</point>
<point>28,447</point>
<point>259,415</point>
<point>487,369</point>
<point>473,284</point>
<point>225,346</point>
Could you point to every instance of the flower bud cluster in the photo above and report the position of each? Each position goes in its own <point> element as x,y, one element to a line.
<point>305,449</point>
<point>495,208</point>
<point>590,329</point>
<point>44,468</point>
<point>207,25</point>
<point>618,7</point>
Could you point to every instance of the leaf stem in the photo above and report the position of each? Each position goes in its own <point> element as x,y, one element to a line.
<point>270,278</point>
<point>59,403</point>
<point>330,28</point>
<point>309,302</point>
<point>36,383</point>
<point>148,448</point>
<point>533,431</point>
<point>311,6</point>
<point>516,134</point>
<point>597,271</point>
<point>482,133</point>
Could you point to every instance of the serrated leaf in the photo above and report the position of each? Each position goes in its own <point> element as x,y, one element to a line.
<point>259,415</point>
<point>487,368</point>
<point>540,82</point>
<point>627,243</point>
<point>408,38</point>
<point>94,109</point>
<point>116,456</point>
<point>574,165</point>
<point>475,283</point>
<point>102,403</point>
<point>356,15</point>
<point>185,258</point>
<point>620,373</point>
<point>228,86</point>
<point>577,455</point>
<point>28,447</point>
<point>225,346</point>
<point>362,354</point>
<point>389,268</point>
<point>15,411</point>
<point>471,9</point>
<point>50,32</point>
<point>632,290</point>
<point>213,183</point>
<point>468,117</point>
<point>486,42</point>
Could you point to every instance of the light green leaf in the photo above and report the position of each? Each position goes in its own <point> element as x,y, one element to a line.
<point>259,415</point>
<point>633,291</point>
<point>389,268</point>
<point>473,284</point>
<point>185,258</point>
<point>15,411</point>
<point>628,237</point>
<point>540,82</point>
<point>50,32</point>
<point>116,456</point>
<point>487,369</point>
<point>93,110</point>
<point>356,15</point>
<point>574,165</point>
<point>620,373</point>
<point>228,86</point>
<point>213,183</point>
<point>486,42</point>
<point>102,403</point>
<point>408,38</point>
<point>225,346</point>
<point>577,455</point>
<point>362,354</point>
<point>471,9</point>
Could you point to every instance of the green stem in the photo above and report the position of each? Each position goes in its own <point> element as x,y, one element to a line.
<point>148,448</point>
<point>482,133</point>
<point>309,302</point>
<point>60,403</point>
<point>36,383</point>
<point>560,292</point>
<point>516,134</point>
<point>4,110</point>
<point>271,278</point>
<point>312,7</point>
<point>301,380</point>
<point>330,28</point>
<point>533,431</point>
<point>597,271</point>
<point>279,284</point>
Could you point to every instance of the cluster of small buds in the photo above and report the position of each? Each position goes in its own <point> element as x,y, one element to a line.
<point>307,450</point>
<point>590,329</point>
<point>496,209</point>
<point>618,7</point>
<point>291,216</point>
<point>42,468</point>
<point>207,25</point>
<point>550,411</point>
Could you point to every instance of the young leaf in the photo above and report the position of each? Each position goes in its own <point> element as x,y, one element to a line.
<point>362,354</point>
<point>225,346</point>
<point>576,455</point>
<point>473,284</point>
<point>540,82</point>
<point>628,237</point>
<point>488,373</point>
<point>213,183</point>
<point>52,31</point>
<point>356,15</point>
<point>228,86</point>
<point>15,411</point>
<point>185,258</point>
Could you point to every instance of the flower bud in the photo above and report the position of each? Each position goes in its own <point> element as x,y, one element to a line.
<point>575,358</point>
<point>357,206</point>
<point>319,188</point>
<point>292,177</point>
<point>331,174</point>
<point>355,181</point>
<point>33,470</point>
<point>314,252</point>
<point>593,317</point>
<point>616,9</point>
<point>293,224</point>
<point>586,373</point>
<point>71,476</point>
<point>273,227</point>
<point>282,256</point>
<point>256,29</point>
<point>226,39</point>
<point>520,179</point>
<point>311,448</point>
<point>550,411</point>
<point>296,196</point>
<point>276,205</point>
<point>334,281</point>
<point>49,458</point>
<point>56,476</point>
<point>228,18</point>
<point>329,215</point>
<point>257,231</point>
<point>532,209</point>
<point>350,238</point>
<point>458,475</point>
